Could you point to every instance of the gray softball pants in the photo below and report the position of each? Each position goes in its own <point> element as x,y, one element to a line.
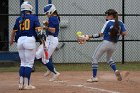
<point>105,47</point>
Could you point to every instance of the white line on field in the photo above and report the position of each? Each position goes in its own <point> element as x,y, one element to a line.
<point>98,89</point>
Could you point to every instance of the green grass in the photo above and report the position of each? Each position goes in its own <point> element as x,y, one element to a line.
<point>14,67</point>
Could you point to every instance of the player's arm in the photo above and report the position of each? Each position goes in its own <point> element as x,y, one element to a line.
<point>123,30</point>
<point>52,23</point>
<point>12,37</point>
<point>124,33</point>
<point>96,35</point>
<point>51,29</point>
<point>13,33</point>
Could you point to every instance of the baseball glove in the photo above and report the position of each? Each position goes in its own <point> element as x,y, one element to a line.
<point>82,39</point>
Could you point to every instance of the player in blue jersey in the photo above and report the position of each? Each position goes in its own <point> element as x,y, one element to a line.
<point>26,27</point>
<point>52,31</point>
<point>111,31</point>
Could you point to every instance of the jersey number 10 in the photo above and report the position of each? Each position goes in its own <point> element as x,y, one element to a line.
<point>25,25</point>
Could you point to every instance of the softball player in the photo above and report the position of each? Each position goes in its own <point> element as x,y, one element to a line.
<point>111,31</point>
<point>52,31</point>
<point>25,27</point>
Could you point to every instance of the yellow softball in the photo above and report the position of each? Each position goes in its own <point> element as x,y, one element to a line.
<point>79,33</point>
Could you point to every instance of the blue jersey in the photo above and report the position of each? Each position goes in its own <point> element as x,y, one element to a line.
<point>107,28</point>
<point>27,27</point>
<point>53,23</point>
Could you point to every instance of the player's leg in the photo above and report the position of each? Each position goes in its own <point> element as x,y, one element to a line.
<point>39,52</point>
<point>21,77</point>
<point>30,56</point>
<point>111,62</point>
<point>52,43</point>
<point>100,50</point>
<point>48,71</point>
<point>30,49</point>
<point>22,63</point>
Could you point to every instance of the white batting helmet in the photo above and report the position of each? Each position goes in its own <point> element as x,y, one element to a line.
<point>26,6</point>
<point>50,8</point>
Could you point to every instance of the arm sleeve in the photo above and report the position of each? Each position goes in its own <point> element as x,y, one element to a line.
<point>123,28</point>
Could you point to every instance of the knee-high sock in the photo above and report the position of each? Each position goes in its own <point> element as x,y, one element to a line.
<point>112,65</point>
<point>21,74</point>
<point>94,69</point>
<point>28,71</point>
<point>21,71</point>
<point>50,66</point>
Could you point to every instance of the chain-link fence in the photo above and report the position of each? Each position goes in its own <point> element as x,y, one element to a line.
<point>86,16</point>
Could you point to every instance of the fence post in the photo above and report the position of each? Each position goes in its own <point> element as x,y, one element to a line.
<point>36,7</point>
<point>123,46</point>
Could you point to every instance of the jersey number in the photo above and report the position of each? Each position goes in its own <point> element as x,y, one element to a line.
<point>25,25</point>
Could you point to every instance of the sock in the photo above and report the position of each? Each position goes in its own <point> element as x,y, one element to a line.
<point>112,65</point>
<point>21,75</point>
<point>94,69</point>
<point>50,66</point>
<point>28,71</point>
<point>21,71</point>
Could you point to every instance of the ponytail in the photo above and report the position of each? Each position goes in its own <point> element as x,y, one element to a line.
<point>55,12</point>
<point>115,31</point>
<point>116,24</point>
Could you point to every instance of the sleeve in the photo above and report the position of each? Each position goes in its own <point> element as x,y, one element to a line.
<point>104,27</point>
<point>123,28</point>
<point>16,25</point>
<point>53,23</point>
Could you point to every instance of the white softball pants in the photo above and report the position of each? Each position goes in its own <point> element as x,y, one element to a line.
<point>26,47</point>
<point>51,43</point>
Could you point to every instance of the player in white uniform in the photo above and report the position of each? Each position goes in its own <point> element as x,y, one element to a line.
<point>111,31</point>
<point>52,31</point>
<point>25,30</point>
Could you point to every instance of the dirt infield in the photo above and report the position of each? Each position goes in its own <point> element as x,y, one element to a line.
<point>74,82</point>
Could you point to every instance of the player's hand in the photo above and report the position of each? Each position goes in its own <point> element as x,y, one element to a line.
<point>86,37</point>
<point>45,27</point>
<point>45,23</point>
<point>81,39</point>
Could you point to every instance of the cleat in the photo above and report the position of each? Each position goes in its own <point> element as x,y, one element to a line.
<point>20,87</point>
<point>93,79</point>
<point>118,75</point>
<point>47,73</point>
<point>29,87</point>
<point>55,76</point>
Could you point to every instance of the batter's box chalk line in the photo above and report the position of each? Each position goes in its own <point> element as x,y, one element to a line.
<point>98,89</point>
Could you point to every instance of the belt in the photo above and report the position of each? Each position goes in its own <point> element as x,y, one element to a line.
<point>52,35</point>
<point>27,36</point>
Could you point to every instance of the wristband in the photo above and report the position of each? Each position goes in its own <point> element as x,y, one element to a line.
<point>96,36</point>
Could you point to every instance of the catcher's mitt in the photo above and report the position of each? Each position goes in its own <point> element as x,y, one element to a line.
<point>81,39</point>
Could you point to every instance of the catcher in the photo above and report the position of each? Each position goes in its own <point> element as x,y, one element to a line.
<point>110,32</point>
